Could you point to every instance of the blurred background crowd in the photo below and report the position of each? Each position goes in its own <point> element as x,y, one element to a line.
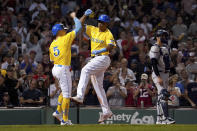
<point>25,36</point>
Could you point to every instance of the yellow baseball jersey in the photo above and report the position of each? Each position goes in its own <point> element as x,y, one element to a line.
<point>60,49</point>
<point>99,39</point>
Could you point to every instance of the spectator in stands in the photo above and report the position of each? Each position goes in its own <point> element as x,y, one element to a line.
<point>36,7</point>
<point>47,66</point>
<point>127,44</point>
<point>23,81</point>
<point>192,91</point>
<point>27,65</point>
<point>6,61</point>
<point>6,100</point>
<point>9,42</point>
<point>143,65</point>
<point>115,27</point>
<point>64,7</point>
<point>184,99</point>
<point>2,89</point>
<point>175,58</point>
<point>146,26</point>
<point>11,14</point>
<point>174,91</point>
<point>39,75</point>
<point>187,6</point>
<point>125,73</point>
<point>134,52</point>
<point>90,96</point>
<point>162,25</point>
<point>35,45</point>
<point>108,80</point>
<point>191,67</point>
<point>32,56</point>
<point>179,29</point>
<point>140,38</point>
<point>144,92</point>
<point>12,85</point>
<point>75,64</point>
<point>134,26</point>
<point>21,30</point>
<point>43,89</point>
<point>133,65</point>
<point>193,27</point>
<point>116,94</point>
<point>122,37</point>
<point>54,91</point>
<point>131,87</point>
<point>46,60</point>
<point>32,96</point>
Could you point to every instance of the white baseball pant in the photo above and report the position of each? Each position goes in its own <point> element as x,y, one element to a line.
<point>63,75</point>
<point>164,77</point>
<point>95,68</point>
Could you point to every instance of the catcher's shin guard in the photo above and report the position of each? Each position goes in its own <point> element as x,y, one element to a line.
<point>162,109</point>
<point>162,105</point>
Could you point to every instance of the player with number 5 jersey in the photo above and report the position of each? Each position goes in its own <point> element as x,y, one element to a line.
<point>60,54</point>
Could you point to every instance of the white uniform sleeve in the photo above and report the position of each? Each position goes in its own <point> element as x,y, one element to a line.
<point>154,52</point>
<point>164,51</point>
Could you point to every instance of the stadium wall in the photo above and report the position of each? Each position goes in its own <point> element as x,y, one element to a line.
<point>90,115</point>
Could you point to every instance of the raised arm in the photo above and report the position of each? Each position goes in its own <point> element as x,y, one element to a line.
<point>78,25</point>
<point>87,13</point>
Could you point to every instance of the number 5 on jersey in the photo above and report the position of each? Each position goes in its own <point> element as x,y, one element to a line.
<point>56,51</point>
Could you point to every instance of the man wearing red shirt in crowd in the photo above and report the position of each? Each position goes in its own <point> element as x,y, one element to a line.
<point>39,75</point>
<point>127,45</point>
<point>144,93</point>
<point>129,100</point>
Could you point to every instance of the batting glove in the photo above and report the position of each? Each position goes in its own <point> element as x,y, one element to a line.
<point>88,12</point>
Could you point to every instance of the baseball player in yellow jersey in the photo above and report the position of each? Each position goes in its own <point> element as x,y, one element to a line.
<point>102,42</point>
<point>60,54</point>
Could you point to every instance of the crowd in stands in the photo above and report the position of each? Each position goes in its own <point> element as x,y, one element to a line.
<point>25,37</point>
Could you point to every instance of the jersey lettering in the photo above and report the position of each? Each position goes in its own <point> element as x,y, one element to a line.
<point>56,51</point>
<point>143,93</point>
<point>96,40</point>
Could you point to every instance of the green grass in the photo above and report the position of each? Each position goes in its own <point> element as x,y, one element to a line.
<point>115,127</point>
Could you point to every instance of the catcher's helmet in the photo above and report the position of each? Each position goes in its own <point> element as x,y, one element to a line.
<point>56,28</point>
<point>104,18</point>
<point>163,34</point>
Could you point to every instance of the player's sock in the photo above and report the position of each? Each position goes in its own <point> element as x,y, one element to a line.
<point>59,108</point>
<point>65,108</point>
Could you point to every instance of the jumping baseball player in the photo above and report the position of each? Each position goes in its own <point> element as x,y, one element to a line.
<point>102,42</point>
<point>160,60</point>
<point>60,54</point>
